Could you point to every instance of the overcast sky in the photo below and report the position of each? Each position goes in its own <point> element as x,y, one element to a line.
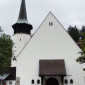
<point>68,12</point>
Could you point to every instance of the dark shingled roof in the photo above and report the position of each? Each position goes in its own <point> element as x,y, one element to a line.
<point>22,14</point>
<point>52,68</point>
<point>10,72</point>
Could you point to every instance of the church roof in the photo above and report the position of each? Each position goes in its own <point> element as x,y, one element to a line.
<point>52,67</point>
<point>9,73</point>
<point>4,76</point>
<point>22,15</point>
<point>22,25</point>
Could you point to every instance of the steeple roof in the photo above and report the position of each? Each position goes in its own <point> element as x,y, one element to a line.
<point>22,14</point>
<point>22,25</point>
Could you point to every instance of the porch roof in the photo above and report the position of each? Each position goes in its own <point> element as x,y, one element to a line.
<point>52,68</point>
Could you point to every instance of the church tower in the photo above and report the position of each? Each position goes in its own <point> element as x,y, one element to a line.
<point>22,30</point>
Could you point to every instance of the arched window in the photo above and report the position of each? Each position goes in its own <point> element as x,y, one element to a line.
<point>66,81</point>
<point>71,81</point>
<point>33,82</point>
<point>38,81</point>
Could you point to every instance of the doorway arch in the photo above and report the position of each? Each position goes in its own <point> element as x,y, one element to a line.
<point>52,81</point>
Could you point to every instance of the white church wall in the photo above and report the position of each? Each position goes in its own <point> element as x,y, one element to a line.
<point>20,41</point>
<point>36,81</point>
<point>77,80</point>
<point>49,42</point>
<point>10,82</point>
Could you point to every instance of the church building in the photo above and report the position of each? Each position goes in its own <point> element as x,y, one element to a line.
<point>48,57</point>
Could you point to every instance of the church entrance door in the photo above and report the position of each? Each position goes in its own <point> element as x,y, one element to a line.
<point>52,81</point>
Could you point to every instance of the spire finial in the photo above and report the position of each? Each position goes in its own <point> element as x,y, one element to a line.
<point>22,14</point>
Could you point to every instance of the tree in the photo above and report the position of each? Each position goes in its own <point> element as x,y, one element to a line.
<point>81,58</point>
<point>1,30</point>
<point>82,31</point>
<point>6,45</point>
<point>74,33</point>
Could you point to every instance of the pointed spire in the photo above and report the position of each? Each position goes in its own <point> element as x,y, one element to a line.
<point>22,15</point>
<point>22,25</point>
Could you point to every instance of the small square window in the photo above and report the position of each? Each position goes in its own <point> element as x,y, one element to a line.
<point>10,82</point>
<point>50,23</point>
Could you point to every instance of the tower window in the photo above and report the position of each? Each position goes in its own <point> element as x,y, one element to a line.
<point>20,39</point>
<point>33,82</point>
<point>50,23</point>
<point>66,81</point>
<point>38,81</point>
<point>71,81</point>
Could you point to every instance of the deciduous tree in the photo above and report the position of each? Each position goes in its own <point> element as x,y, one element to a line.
<point>6,45</point>
<point>81,58</point>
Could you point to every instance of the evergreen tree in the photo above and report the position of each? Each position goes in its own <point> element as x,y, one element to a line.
<point>1,30</point>
<point>81,58</point>
<point>82,31</point>
<point>74,33</point>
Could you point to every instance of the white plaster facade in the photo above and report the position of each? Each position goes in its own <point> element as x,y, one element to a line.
<point>48,42</point>
<point>20,41</point>
<point>8,82</point>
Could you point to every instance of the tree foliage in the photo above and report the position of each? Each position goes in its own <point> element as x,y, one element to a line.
<point>1,30</point>
<point>81,58</point>
<point>6,45</point>
<point>82,32</point>
<point>74,33</point>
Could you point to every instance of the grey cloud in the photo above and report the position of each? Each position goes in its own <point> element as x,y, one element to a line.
<point>68,12</point>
